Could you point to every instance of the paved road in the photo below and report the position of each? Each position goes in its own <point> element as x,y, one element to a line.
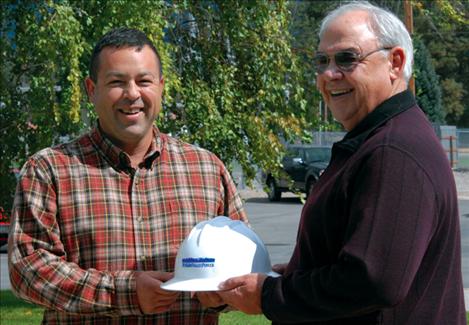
<point>276,224</point>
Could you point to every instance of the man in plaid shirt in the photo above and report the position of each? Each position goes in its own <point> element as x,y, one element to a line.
<point>97,222</point>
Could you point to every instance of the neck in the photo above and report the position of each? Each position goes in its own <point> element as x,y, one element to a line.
<point>137,151</point>
<point>399,86</point>
<point>136,155</point>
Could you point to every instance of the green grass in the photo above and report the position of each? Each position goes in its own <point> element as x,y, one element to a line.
<point>238,318</point>
<point>14,311</point>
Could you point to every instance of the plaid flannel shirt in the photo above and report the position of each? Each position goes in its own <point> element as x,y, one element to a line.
<point>84,220</point>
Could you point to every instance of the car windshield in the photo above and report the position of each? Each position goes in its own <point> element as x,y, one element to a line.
<point>317,154</point>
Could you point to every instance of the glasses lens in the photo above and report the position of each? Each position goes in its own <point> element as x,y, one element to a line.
<point>346,60</point>
<point>321,61</point>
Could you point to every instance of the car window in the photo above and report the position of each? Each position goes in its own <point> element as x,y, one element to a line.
<point>292,153</point>
<point>317,154</point>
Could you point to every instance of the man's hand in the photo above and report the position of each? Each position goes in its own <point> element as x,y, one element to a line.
<point>151,297</point>
<point>244,292</point>
<point>279,268</point>
<point>209,298</point>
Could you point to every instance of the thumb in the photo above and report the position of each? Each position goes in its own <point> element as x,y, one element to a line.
<point>162,276</point>
<point>231,283</point>
<point>279,268</point>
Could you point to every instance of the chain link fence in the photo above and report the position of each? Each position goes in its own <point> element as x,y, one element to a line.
<point>462,136</point>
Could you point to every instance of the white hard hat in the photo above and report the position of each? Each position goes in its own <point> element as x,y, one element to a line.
<point>216,250</point>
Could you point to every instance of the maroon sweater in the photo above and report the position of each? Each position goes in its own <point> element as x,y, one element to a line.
<point>379,237</point>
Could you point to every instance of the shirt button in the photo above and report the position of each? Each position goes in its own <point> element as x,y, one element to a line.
<point>143,257</point>
<point>140,219</point>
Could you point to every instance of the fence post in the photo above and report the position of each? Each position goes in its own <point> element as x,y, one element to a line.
<point>451,157</point>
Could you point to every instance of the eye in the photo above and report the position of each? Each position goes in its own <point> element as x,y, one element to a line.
<point>346,58</point>
<point>115,82</point>
<point>320,59</point>
<point>146,82</point>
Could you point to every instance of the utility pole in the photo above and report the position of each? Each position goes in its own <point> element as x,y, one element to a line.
<point>409,23</point>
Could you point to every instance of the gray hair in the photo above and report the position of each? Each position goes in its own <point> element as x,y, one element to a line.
<point>388,28</point>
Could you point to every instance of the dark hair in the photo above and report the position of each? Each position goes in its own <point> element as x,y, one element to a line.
<point>118,38</point>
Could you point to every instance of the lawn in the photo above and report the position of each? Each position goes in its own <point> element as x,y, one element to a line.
<point>15,311</point>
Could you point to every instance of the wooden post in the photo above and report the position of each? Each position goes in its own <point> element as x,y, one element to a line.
<point>409,23</point>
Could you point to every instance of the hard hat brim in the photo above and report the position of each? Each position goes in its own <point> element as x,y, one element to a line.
<point>209,284</point>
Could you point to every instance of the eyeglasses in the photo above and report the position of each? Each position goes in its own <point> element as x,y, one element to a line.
<point>344,60</point>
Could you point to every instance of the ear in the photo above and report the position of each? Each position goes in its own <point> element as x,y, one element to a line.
<point>397,61</point>
<point>161,86</point>
<point>90,88</point>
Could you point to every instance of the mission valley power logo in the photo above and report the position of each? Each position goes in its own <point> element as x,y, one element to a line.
<point>198,262</point>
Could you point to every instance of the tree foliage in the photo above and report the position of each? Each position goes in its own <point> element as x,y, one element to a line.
<point>304,28</point>
<point>232,83</point>
<point>427,83</point>
<point>442,26</point>
<point>452,100</point>
<point>238,74</point>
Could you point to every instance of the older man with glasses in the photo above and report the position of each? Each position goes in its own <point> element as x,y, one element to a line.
<point>379,236</point>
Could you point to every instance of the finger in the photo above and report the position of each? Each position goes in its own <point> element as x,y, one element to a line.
<point>229,297</point>
<point>161,309</point>
<point>231,283</point>
<point>279,268</point>
<point>163,292</point>
<point>164,299</point>
<point>162,276</point>
<point>209,299</point>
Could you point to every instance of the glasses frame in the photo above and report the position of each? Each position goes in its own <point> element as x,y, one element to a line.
<point>321,68</point>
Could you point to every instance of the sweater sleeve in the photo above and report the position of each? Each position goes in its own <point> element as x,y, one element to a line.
<point>392,215</point>
<point>39,270</point>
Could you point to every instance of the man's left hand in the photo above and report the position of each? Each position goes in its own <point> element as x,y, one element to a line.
<point>244,292</point>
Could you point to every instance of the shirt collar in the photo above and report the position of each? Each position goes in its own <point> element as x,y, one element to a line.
<point>382,113</point>
<point>118,158</point>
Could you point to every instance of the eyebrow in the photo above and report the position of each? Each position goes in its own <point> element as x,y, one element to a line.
<point>349,49</point>
<point>123,75</point>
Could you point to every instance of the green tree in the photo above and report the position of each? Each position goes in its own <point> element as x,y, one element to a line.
<point>232,83</point>
<point>304,28</point>
<point>428,91</point>
<point>240,81</point>
<point>442,25</point>
<point>452,100</point>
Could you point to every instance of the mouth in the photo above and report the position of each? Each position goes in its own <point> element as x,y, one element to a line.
<point>341,92</point>
<point>131,112</point>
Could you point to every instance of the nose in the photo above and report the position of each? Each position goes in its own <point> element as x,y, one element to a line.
<point>332,72</point>
<point>132,91</point>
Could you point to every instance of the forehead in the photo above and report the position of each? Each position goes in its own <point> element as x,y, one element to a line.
<point>351,30</point>
<point>127,59</point>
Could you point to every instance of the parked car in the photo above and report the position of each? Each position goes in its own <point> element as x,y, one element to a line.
<point>302,166</point>
<point>4,227</point>
<point>4,217</point>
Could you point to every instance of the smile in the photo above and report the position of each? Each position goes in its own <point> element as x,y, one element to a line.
<point>132,112</point>
<point>335,93</point>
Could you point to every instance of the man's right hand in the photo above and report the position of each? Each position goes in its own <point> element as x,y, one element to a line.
<point>279,268</point>
<point>151,297</point>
